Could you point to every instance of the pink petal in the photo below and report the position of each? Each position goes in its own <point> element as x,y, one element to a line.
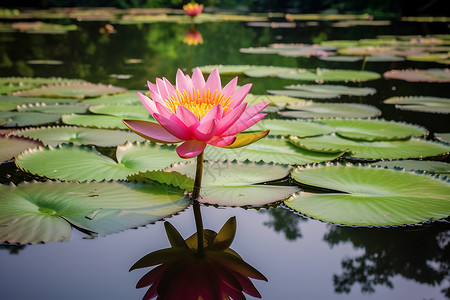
<point>170,89</point>
<point>243,125</point>
<point>206,130</point>
<point>222,141</point>
<point>197,79</point>
<point>229,89</point>
<point>231,118</point>
<point>213,82</point>
<point>152,131</point>
<point>162,89</point>
<point>183,83</point>
<point>215,112</point>
<point>152,87</point>
<point>174,126</point>
<point>191,148</point>
<point>187,117</point>
<point>251,111</point>
<point>149,104</point>
<point>239,95</point>
<point>157,98</point>
<point>163,110</point>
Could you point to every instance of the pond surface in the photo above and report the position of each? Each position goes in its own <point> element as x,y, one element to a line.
<point>302,258</point>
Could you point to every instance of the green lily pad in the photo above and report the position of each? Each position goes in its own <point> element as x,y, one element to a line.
<point>366,196</point>
<point>52,136</point>
<point>266,71</point>
<point>69,162</point>
<point>78,90</point>
<point>411,148</point>
<point>432,75</point>
<point>36,81</point>
<point>321,75</point>
<point>445,137</point>
<point>428,57</point>
<point>53,108</point>
<point>96,121</point>
<point>20,119</point>
<point>11,88</point>
<point>226,69</point>
<point>374,130</point>
<point>122,111</point>
<point>13,145</point>
<point>275,100</point>
<point>310,110</point>
<point>322,91</point>
<point>239,184</point>
<point>369,58</point>
<point>277,150</point>
<point>12,102</point>
<point>45,211</point>
<point>126,98</point>
<point>421,103</point>
<point>437,167</point>
<point>298,128</point>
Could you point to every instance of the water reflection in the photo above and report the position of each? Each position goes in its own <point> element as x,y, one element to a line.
<point>187,271</point>
<point>283,220</point>
<point>390,252</point>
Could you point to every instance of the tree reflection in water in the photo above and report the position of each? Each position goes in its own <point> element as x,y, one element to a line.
<point>393,251</point>
<point>184,272</point>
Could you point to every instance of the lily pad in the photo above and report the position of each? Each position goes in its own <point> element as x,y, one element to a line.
<point>445,137</point>
<point>277,150</point>
<point>421,103</point>
<point>20,119</point>
<point>13,145</point>
<point>126,98</point>
<point>122,111</point>
<point>322,91</point>
<point>78,90</point>
<point>11,102</point>
<point>53,108</point>
<point>36,81</point>
<point>411,148</point>
<point>321,75</point>
<point>437,167</point>
<point>226,69</point>
<point>310,110</point>
<point>298,128</point>
<point>428,57</point>
<point>374,130</point>
<point>431,75</point>
<point>266,71</point>
<point>239,184</point>
<point>69,162</point>
<point>96,121</point>
<point>52,136</point>
<point>366,196</point>
<point>275,100</point>
<point>44,211</point>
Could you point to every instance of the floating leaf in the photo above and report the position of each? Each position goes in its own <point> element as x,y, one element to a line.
<point>437,167</point>
<point>36,81</point>
<point>226,69</point>
<point>322,91</point>
<point>428,57</point>
<point>239,184</point>
<point>126,98</point>
<point>97,121</point>
<point>309,110</point>
<point>123,111</point>
<point>266,71</point>
<point>411,148</point>
<point>432,75</point>
<point>445,137</point>
<point>277,150</point>
<point>78,90</point>
<point>368,196</point>
<point>13,145</point>
<point>421,103</point>
<point>45,211</point>
<point>330,75</point>
<point>292,127</point>
<point>69,162</point>
<point>54,108</point>
<point>20,119</point>
<point>374,130</point>
<point>11,102</point>
<point>275,100</point>
<point>52,136</point>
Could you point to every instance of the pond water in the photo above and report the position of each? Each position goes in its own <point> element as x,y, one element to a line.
<point>302,258</point>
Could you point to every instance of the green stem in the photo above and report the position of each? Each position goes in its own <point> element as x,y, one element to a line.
<point>196,204</point>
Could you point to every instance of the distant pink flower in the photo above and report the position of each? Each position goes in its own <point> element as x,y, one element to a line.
<point>193,9</point>
<point>193,37</point>
<point>197,113</point>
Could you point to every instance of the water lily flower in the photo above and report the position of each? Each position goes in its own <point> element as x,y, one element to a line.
<point>198,113</point>
<point>193,37</point>
<point>193,9</point>
<point>182,273</point>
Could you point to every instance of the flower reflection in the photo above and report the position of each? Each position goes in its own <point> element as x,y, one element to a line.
<point>183,272</point>
<point>193,9</point>
<point>193,37</point>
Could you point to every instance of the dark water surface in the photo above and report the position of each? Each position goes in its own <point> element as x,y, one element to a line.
<point>302,258</point>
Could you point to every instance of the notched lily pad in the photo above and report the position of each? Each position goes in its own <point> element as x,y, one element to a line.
<point>21,119</point>
<point>13,145</point>
<point>436,167</point>
<point>44,211</point>
<point>298,128</point>
<point>421,103</point>
<point>313,110</point>
<point>321,75</point>
<point>96,121</point>
<point>431,75</point>
<point>54,108</point>
<point>367,196</point>
<point>322,91</point>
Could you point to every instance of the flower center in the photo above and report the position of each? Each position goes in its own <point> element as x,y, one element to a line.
<point>198,102</point>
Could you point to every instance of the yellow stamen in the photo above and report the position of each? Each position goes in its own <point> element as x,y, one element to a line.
<point>197,102</point>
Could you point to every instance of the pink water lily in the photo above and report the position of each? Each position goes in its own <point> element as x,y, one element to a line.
<point>193,9</point>
<point>197,113</point>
